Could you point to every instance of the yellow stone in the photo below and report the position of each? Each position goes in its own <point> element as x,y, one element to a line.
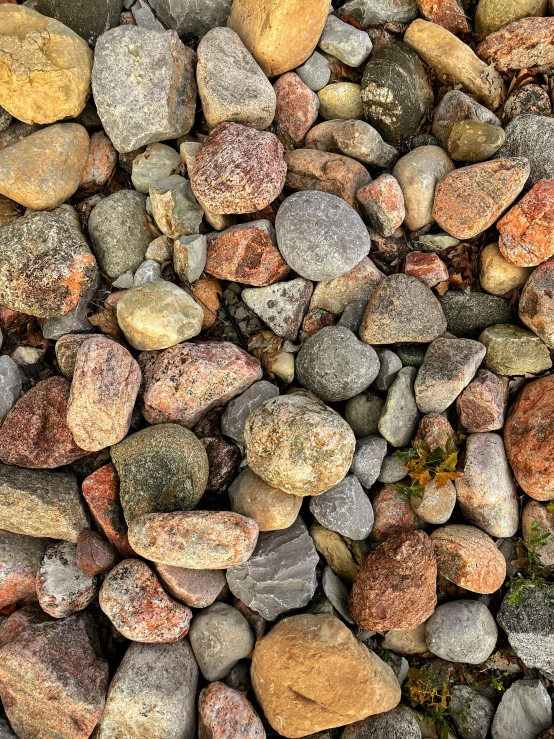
<point>280,34</point>
<point>341,100</point>
<point>497,275</point>
<point>44,67</point>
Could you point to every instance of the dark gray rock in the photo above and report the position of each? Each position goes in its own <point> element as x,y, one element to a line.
<point>345,508</point>
<point>6,119</point>
<point>411,355</point>
<point>345,42</point>
<point>368,458</point>
<point>377,12</point>
<point>335,365</point>
<point>524,711</point>
<point>398,421</point>
<point>144,16</point>
<point>319,235</point>
<point>462,631</point>
<point>396,724</point>
<point>315,72</point>
<point>362,413</point>
<point>352,316</point>
<point>236,414</point>
<point>282,306</point>
<point>467,314</point>
<point>193,16</point>
<point>390,366</point>
<point>531,136</point>
<point>471,712</point>
<point>89,19</point>
<point>280,575</point>
<point>457,106</point>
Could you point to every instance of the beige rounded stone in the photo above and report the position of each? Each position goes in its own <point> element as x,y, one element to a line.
<point>498,276</point>
<point>341,100</point>
<point>309,674</point>
<point>406,641</point>
<point>357,284</point>
<point>270,507</point>
<point>437,504</point>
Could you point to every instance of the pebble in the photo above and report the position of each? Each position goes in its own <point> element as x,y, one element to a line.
<point>395,92</point>
<point>396,585</point>
<point>225,713</point>
<point>462,631</point>
<point>537,517</point>
<point>309,655</point>
<point>187,381</point>
<point>345,508</point>
<point>526,231</point>
<point>401,308</point>
<point>449,366</point>
<point>236,414</point>
<point>100,166</point>
<point>382,204</point>
<point>133,599</point>
<point>19,560</point>
<point>88,21</point>
<point>398,722</point>
<point>94,554</point>
<point>353,138</point>
<point>53,677</point>
<point>238,169</point>
<point>428,268</point>
<point>393,514</point>
<point>531,136</point>
<point>435,430</point>
<point>194,588</point>
<point>417,174</point>
<point>398,420</point>
<point>194,19</point>
<point>455,107</point>
<point>528,439</point>
<point>231,85</point>
<point>345,42</point>
<point>437,242</point>
<point>101,492</point>
<point>469,558</point>
<point>135,94</point>
<point>524,710</point>
<point>119,234</point>
<point>156,163</point>
<point>344,556</point>
<point>175,208</point>
<point>207,291</point>
<point>513,351</point>
<point>281,306</point>
<point>497,275</point>
<point>36,434</point>
<point>437,504</point>
<point>483,404</point>
<point>57,64</point>
<point>392,470</point>
<point>153,693</point>
<point>528,99</point>
<point>474,141</point>
<point>524,43</point>
<point>493,14</point>
<point>449,14</point>
<point>297,106</point>
<point>390,365</point>
<point>471,712</point>
<point>223,459</point>
<point>362,413</point>
<point>62,588</point>
<point>315,72</point>
<point>376,12</point>
<point>468,314</point>
<point>268,506</point>
<point>367,460</point>
<point>280,575</point>
<point>341,100</point>
<point>406,641</point>
<point>149,271</point>
<point>357,284</point>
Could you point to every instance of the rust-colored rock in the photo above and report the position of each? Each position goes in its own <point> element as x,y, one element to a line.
<point>94,554</point>
<point>435,430</point>
<point>310,169</point>
<point>238,169</point>
<point>194,588</point>
<point>207,290</point>
<point>536,306</point>
<point>469,558</point>
<point>446,13</point>
<point>393,514</point>
<point>527,229</point>
<point>470,199</point>
<point>396,587</point>
<point>225,713</point>
<point>382,203</point>
<point>482,405</point>
<point>183,383</point>
<point>529,438</point>
<point>19,560</point>
<point>429,268</point>
<point>297,106</point>
<point>134,601</point>
<point>246,254</point>
<point>36,434</point>
<point>102,158</point>
<point>528,42</point>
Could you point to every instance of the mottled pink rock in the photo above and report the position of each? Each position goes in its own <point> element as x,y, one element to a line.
<point>194,588</point>
<point>536,306</point>
<point>434,430</point>
<point>183,383</point>
<point>393,514</point>
<point>105,385</point>
<point>482,405</point>
<point>297,106</point>
<point>382,204</point>
<point>62,588</point>
<point>225,713</point>
<point>94,554</point>
<point>102,158</point>
<point>19,560</point>
<point>446,13</point>
<point>429,268</point>
<point>528,42</point>
<point>527,229</point>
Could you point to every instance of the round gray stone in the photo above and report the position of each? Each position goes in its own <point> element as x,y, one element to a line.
<point>471,712</point>
<point>362,413</point>
<point>531,136</point>
<point>392,470</point>
<point>345,42</point>
<point>345,508</point>
<point>315,72</point>
<point>398,421</point>
<point>462,631</point>
<point>368,458</point>
<point>390,366</point>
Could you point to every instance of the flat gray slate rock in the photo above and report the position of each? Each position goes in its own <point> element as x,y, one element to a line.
<point>345,508</point>
<point>236,414</point>
<point>193,16</point>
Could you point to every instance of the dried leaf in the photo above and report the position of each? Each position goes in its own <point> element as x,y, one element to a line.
<point>441,478</point>
<point>106,321</point>
<point>442,287</point>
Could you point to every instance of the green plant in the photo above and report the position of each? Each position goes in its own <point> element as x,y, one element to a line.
<point>429,698</point>
<point>424,465</point>
<point>533,572</point>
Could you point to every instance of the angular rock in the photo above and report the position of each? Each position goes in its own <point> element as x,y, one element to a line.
<point>428,268</point>
<point>398,420</point>
<point>449,14</point>
<point>482,405</point>
<point>367,460</point>
<point>62,588</point>
<point>437,504</point>
<point>94,554</point>
<point>174,207</point>
<point>220,636</point>
<point>468,314</point>
<point>513,351</point>
<point>268,506</point>
<point>524,43</point>
<point>393,514</point>
<point>345,508</point>
<point>355,285</point>
<point>236,414</point>
<point>19,560</point>
<point>225,713</point>
<point>101,492</point>
<point>531,136</point>
<point>535,308</point>
<point>341,100</point>
<point>497,275</point>
<point>156,163</point>
<point>526,231</point>
<point>192,18</point>
<point>471,712</point>
<point>315,72</point>
<point>194,588</point>
<point>454,107</point>
<point>462,631</point>
<point>362,413</point>
<point>524,710</point>
<point>281,306</point>
<point>297,106</point>
<point>354,138</point>
<point>344,556</point>
<point>150,271</point>
<point>382,203</point>
<point>75,320</point>
<point>345,42</point>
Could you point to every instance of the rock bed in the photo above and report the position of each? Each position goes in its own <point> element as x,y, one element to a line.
<point>276,402</point>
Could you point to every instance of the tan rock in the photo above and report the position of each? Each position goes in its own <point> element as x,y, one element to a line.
<point>341,100</point>
<point>344,556</point>
<point>406,641</point>
<point>309,674</point>
<point>207,290</point>
<point>358,284</point>
<point>44,67</point>
<point>270,507</point>
<point>194,588</point>
<point>437,504</point>
<point>281,34</point>
<point>497,275</point>
<point>493,14</point>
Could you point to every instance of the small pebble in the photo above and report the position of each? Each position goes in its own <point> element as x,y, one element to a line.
<point>94,554</point>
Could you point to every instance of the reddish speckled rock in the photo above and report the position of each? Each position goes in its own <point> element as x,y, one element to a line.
<point>536,305</point>
<point>393,514</point>
<point>19,560</point>
<point>94,554</point>
<point>36,434</point>
<point>101,492</point>
<point>238,169</point>
<point>529,438</point>
<point>382,203</point>
<point>469,558</point>
<point>297,106</point>
<point>105,385</point>
<point>470,199</point>
<point>194,588</point>
<point>527,229</point>
<point>396,587</point>
<point>134,601</point>
<point>435,430</point>
<point>225,713</point>
<point>446,13</point>
<point>183,383</point>
<point>102,158</point>
<point>429,268</point>
<point>53,677</point>
<point>482,405</point>
<point>528,42</point>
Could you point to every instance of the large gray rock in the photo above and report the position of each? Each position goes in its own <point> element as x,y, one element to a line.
<point>19,560</point>
<point>368,458</point>
<point>193,16</point>
<point>468,314</point>
<point>377,12</point>
<point>319,235</point>
<point>345,508</point>
<point>282,306</point>
<point>89,19</point>
<point>345,42</point>
<point>280,574</point>
<point>531,136</point>
<point>236,414</point>
<point>152,694</point>
<point>396,724</point>
<point>335,365</point>
<point>471,712</point>
<point>119,232</point>
<point>462,631</point>
<point>144,86</point>
<point>524,711</point>
<point>398,421</point>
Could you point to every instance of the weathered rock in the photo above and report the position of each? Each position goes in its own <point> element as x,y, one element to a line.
<point>398,420</point>
<point>469,314</point>
<point>89,21</point>
<point>531,99</point>
<point>193,18</point>
<point>194,588</point>
<point>175,208</point>
<point>362,412</point>
<point>271,435</point>
<point>536,519</point>
<point>53,678</point>
<point>268,506</point>
<point>281,306</point>
<point>428,268</point>
<point>315,72</point>
<point>437,504</point>
<point>353,138</point>
<point>526,231</point>
<point>435,430</point>
<point>392,469</point>
<point>525,710</point>
<point>513,351</point>
<point>280,575</point>
<point>19,560</point>
<point>145,97</point>
<point>355,285</point>
<point>207,291</point>
<point>75,320</point>
<point>406,641</point>
<point>462,631</point>
<point>101,492</point>
<point>45,69</point>
<point>236,414</point>
<point>225,713</point>
<point>535,308</point>
<point>367,460</point>
<point>62,588</point>
<point>185,382</point>
<point>94,554</point>
<point>341,100</point>
<point>231,85</point>
<point>393,514</point>
<point>280,37</point>
<point>100,165</point>
<point>531,136</point>
<point>449,14</point>
<point>473,141</point>
<point>469,558</point>
<point>497,275</point>
<point>153,693</point>
<point>399,721</point>
<point>524,43</point>
<point>297,106</point>
<point>454,107</point>
<point>471,712</point>
<point>396,585</point>
<point>316,655</point>
<point>238,169</point>
<point>344,556</point>
<point>382,204</point>
<point>150,270</point>
<point>154,164</point>
<point>482,405</point>
<point>493,14</point>
<point>377,12</point>
<point>345,42</point>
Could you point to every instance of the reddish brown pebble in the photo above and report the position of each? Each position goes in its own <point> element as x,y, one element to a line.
<point>36,434</point>
<point>469,558</point>
<point>223,459</point>
<point>225,713</point>
<point>94,554</point>
<point>382,203</point>
<point>238,169</point>
<point>446,13</point>
<point>528,42</point>
<point>396,587</point>
<point>245,254</point>
<point>434,430</point>
<point>310,169</point>
<point>470,199</point>
<point>529,438</point>
<point>183,383</point>
<point>393,514</point>
<point>194,588</point>
<point>8,317</point>
<point>105,385</point>
<point>429,268</point>
<point>101,492</point>
<point>297,106</point>
<point>527,229</point>
<point>482,405</point>
<point>134,601</point>
<point>102,158</point>
<point>536,305</point>
<point>315,319</point>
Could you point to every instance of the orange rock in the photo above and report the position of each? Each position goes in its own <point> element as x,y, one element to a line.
<point>382,203</point>
<point>434,430</point>
<point>207,290</point>
<point>429,268</point>
<point>446,13</point>
<point>527,229</point>
<point>102,158</point>
<point>528,42</point>
<point>393,514</point>
<point>297,106</point>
